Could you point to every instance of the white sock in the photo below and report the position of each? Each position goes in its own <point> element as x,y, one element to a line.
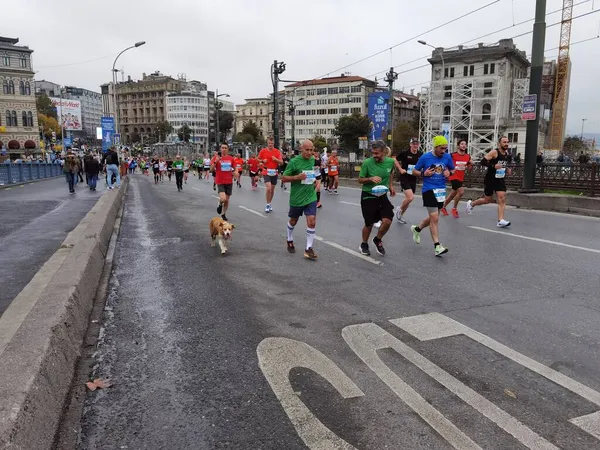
<point>310,237</point>
<point>290,230</point>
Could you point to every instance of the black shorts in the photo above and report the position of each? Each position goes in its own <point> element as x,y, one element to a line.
<point>430,200</point>
<point>186,171</point>
<point>456,184</point>
<point>207,169</point>
<point>376,209</point>
<point>227,188</point>
<point>253,174</point>
<point>270,179</point>
<point>307,210</point>
<point>214,173</point>
<point>156,171</point>
<point>408,183</point>
<point>493,185</point>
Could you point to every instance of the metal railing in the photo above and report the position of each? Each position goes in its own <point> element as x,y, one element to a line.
<point>23,172</point>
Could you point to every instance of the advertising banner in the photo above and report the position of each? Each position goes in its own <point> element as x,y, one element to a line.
<point>68,113</point>
<point>108,131</point>
<point>379,109</point>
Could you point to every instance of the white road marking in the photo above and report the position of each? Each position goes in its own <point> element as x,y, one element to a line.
<point>545,241</point>
<point>349,251</point>
<point>276,357</point>
<point>215,196</point>
<point>435,326</point>
<point>365,339</point>
<point>253,212</point>
<point>350,203</point>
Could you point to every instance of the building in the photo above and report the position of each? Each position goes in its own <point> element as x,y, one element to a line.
<point>406,107</point>
<point>254,110</point>
<point>189,107</point>
<point>47,88</point>
<point>142,104</point>
<point>91,108</point>
<point>225,105</point>
<point>108,107</point>
<point>476,93</point>
<point>319,104</point>
<point>18,115</point>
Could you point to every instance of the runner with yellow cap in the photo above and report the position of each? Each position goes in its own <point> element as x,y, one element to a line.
<point>435,167</point>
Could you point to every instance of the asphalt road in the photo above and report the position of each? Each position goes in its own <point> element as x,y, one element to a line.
<point>498,346</point>
<point>35,218</point>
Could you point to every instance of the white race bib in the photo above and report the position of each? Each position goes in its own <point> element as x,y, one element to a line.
<point>326,170</point>
<point>440,195</point>
<point>225,166</point>
<point>500,173</point>
<point>310,177</point>
<point>334,168</point>
<point>409,171</point>
<point>461,165</point>
<point>271,172</point>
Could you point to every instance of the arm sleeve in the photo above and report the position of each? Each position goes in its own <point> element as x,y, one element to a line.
<point>363,171</point>
<point>420,163</point>
<point>450,163</point>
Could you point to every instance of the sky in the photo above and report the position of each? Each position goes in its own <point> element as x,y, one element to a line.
<point>231,44</point>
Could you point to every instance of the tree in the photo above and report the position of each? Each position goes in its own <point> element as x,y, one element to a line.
<point>573,146</point>
<point>135,137</point>
<point>252,129</point>
<point>245,138</point>
<point>44,106</point>
<point>319,142</point>
<point>164,128</point>
<point>225,122</point>
<point>184,133</point>
<point>401,136</point>
<point>350,128</point>
<point>49,124</point>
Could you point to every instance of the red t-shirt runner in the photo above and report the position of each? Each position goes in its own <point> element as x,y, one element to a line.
<point>460,163</point>
<point>271,166</point>
<point>239,162</point>
<point>224,170</point>
<point>253,165</point>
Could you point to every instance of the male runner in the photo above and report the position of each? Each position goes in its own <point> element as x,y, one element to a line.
<point>239,164</point>
<point>376,170</point>
<point>169,167</point>
<point>178,167</point>
<point>271,157</point>
<point>333,165</point>
<point>462,162</point>
<point>435,167</point>
<point>155,163</point>
<point>408,159</point>
<point>253,167</point>
<point>319,176</point>
<point>324,168</point>
<point>282,168</point>
<point>496,161</point>
<point>300,173</point>
<point>212,171</point>
<point>206,167</point>
<point>224,169</point>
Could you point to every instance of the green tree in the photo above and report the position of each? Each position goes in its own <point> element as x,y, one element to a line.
<point>319,142</point>
<point>350,128</point>
<point>225,121</point>
<point>245,138</point>
<point>252,129</point>
<point>401,136</point>
<point>135,137</point>
<point>163,128</point>
<point>49,124</point>
<point>573,146</point>
<point>44,106</point>
<point>184,133</point>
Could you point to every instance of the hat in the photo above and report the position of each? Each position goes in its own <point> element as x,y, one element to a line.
<point>415,140</point>
<point>439,140</point>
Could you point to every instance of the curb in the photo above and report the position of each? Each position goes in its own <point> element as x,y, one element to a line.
<point>42,331</point>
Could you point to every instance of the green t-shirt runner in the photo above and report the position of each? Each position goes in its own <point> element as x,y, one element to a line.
<point>178,164</point>
<point>372,168</point>
<point>302,193</point>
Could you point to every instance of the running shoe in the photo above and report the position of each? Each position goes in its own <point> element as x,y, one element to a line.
<point>455,213</point>
<point>364,249</point>
<point>219,208</point>
<point>445,211</point>
<point>335,192</point>
<point>224,217</point>
<point>379,246</point>
<point>319,205</point>
<point>469,208</point>
<point>377,224</point>
<point>416,234</point>
<point>503,224</point>
<point>309,253</point>
<point>440,250</point>
<point>290,247</point>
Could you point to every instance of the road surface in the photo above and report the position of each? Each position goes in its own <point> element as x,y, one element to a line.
<point>497,346</point>
<point>35,219</point>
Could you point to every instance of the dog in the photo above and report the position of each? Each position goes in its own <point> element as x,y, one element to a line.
<point>220,231</point>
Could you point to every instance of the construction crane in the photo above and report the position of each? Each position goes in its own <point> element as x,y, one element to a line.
<point>561,87</point>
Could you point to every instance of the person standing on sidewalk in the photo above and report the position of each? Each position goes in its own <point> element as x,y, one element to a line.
<point>111,159</point>
<point>92,169</point>
<point>71,169</point>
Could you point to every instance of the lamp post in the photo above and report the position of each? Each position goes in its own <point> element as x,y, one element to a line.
<point>218,106</point>
<point>582,125</point>
<point>441,55</point>
<point>116,111</point>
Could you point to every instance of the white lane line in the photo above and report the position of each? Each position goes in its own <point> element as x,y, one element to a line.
<point>215,196</point>
<point>349,251</point>
<point>350,203</point>
<point>253,212</point>
<point>545,241</point>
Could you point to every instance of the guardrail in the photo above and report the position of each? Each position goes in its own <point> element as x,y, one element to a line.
<point>23,172</point>
<point>584,178</point>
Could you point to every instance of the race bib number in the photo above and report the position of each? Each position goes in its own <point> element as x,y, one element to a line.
<point>326,170</point>
<point>239,166</point>
<point>156,166</point>
<point>461,165</point>
<point>410,169</point>
<point>225,166</point>
<point>334,168</point>
<point>500,173</point>
<point>178,166</point>
<point>310,177</point>
<point>317,171</point>
<point>440,195</point>
<point>271,172</point>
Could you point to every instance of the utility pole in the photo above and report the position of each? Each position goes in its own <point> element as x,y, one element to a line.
<point>293,116</point>
<point>217,133</point>
<point>582,124</point>
<point>276,69</point>
<point>390,77</point>
<point>535,87</point>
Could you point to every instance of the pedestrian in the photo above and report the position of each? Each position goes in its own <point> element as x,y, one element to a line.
<point>92,169</point>
<point>71,169</point>
<point>111,161</point>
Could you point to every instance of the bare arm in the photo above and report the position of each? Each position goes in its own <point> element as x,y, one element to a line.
<point>366,180</point>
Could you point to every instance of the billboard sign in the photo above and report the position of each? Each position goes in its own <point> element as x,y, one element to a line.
<point>68,142</point>
<point>529,107</point>
<point>108,131</point>
<point>379,109</point>
<point>69,113</point>
<point>117,138</point>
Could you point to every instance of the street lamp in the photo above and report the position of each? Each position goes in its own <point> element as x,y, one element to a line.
<point>441,55</point>
<point>218,106</point>
<point>137,44</point>
<point>582,124</point>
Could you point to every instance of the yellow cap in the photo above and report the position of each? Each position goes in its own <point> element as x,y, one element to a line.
<point>439,140</point>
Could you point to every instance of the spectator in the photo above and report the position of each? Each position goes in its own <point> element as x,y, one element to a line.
<point>583,158</point>
<point>92,169</point>
<point>111,159</point>
<point>70,169</point>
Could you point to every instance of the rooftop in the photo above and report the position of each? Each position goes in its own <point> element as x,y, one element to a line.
<point>479,53</point>
<point>7,43</point>
<point>332,80</point>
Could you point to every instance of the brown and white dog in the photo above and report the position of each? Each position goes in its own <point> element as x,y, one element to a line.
<point>220,231</point>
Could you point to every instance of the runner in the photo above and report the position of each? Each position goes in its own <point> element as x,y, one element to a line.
<point>253,167</point>
<point>212,171</point>
<point>155,163</point>
<point>462,162</point>
<point>318,176</point>
<point>206,167</point>
<point>300,173</point>
<point>435,167</point>
<point>162,168</point>
<point>333,173</point>
<point>408,159</point>
<point>178,167</point>
<point>376,171</point>
<point>239,164</point>
<point>224,169</point>
<point>282,168</point>
<point>496,161</point>
<point>186,169</point>
<point>169,167</point>
<point>271,157</point>
<point>324,168</point>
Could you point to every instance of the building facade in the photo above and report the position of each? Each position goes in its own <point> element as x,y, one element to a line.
<point>47,88</point>
<point>189,107</point>
<point>254,110</point>
<point>406,108</point>
<point>18,115</point>
<point>91,108</point>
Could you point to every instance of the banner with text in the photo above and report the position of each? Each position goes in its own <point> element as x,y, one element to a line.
<point>68,113</point>
<point>379,108</point>
<point>108,131</point>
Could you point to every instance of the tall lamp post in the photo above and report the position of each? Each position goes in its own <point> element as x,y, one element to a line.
<point>582,125</point>
<point>441,55</point>
<point>218,106</point>
<point>137,44</point>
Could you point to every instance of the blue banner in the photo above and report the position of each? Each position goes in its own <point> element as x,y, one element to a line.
<point>379,109</point>
<point>108,131</point>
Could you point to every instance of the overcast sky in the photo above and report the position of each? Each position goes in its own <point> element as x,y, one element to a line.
<point>230,44</point>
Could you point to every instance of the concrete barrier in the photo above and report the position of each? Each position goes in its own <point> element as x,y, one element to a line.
<point>42,331</point>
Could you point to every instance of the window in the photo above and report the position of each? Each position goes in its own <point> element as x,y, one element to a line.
<point>332,111</point>
<point>344,100</point>
<point>5,87</point>
<point>447,91</point>
<point>261,112</point>
<point>322,101</point>
<point>301,112</point>
<point>321,111</point>
<point>11,87</point>
<point>447,111</point>
<point>344,110</point>
<point>487,88</point>
<point>445,72</point>
<point>24,118</point>
<point>355,100</point>
<point>8,119</point>
<point>513,137</point>
<point>308,102</point>
<point>485,69</point>
<point>465,71</point>
<point>355,89</point>
<point>486,112</point>
<point>311,92</point>
<point>332,91</point>
<point>355,110</point>
<point>21,88</point>
<point>344,90</point>
<point>332,101</point>
<point>261,124</point>
<point>471,70</point>
<point>492,67</point>
<point>14,119</point>
<point>6,60</point>
<point>322,91</point>
<point>301,93</point>
<point>451,72</point>
<point>23,62</point>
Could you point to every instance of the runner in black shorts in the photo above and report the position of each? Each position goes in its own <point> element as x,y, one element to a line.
<point>408,159</point>
<point>155,163</point>
<point>318,176</point>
